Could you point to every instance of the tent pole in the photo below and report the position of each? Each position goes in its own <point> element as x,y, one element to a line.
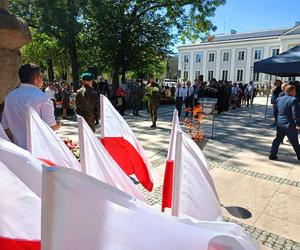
<point>269,90</point>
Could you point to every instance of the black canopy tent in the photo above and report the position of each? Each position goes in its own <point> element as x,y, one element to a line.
<point>285,64</point>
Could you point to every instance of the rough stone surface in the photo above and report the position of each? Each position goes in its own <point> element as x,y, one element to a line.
<point>14,34</point>
<point>10,63</point>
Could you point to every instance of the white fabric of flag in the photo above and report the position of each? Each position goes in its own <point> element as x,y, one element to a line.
<point>100,216</point>
<point>96,162</point>
<point>2,133</point>
<point>20,213</point>
<point>120,141</point>
<point>194,194</point>
<point>19,161</point>
<point>44,143</point>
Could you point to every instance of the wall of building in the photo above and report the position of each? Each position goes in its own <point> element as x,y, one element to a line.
<point>267,48</point>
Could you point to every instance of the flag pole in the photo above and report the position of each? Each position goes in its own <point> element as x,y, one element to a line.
<point>28,129</point>
<point>102,115</point>
<point>81,144</point>
<point>177,175</point>
<point>174,124</point>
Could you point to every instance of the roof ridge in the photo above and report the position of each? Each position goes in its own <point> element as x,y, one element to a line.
<point>254,31</point>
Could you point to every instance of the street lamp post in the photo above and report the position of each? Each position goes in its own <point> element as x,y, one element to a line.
<point>142,39</point>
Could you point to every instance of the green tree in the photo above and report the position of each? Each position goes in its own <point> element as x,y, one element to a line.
<point>115,26</point>
<point>59,19</point>
<point>44,51</point>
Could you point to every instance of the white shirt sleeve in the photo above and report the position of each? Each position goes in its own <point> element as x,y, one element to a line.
<point>4,121</point>
<point>47,113</point>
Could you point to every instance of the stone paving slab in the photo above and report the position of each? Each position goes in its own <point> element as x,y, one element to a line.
<point>238,163</point>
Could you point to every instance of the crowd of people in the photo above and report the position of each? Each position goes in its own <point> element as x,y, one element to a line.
<point>85,101</point>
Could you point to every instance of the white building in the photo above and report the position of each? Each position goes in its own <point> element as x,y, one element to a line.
<point>231,57</point>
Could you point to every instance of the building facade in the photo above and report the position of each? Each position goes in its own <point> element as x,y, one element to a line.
<point>231,57</point>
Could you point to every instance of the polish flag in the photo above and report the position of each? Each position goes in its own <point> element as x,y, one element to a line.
<point>100,216</point>
<point>2,133</point>
<point>20,213</point>
<point>95,161</point>
<point>188,187</point>
<point>46,145</point>
<point>20,162</point>
<point>121,143</point>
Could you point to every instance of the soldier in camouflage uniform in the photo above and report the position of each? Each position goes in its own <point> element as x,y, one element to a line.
<point>153,96</point>
<point>85,100</point>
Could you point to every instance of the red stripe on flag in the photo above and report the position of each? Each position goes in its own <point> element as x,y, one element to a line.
<point>167,186</point>
<point>47,162</point>
<point>128,159</point>
<point>17,244</point>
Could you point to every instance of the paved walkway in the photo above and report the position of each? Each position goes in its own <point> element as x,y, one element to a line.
<point>239,165</point>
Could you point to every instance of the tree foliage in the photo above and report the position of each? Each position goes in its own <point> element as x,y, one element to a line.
<point>107,33</point>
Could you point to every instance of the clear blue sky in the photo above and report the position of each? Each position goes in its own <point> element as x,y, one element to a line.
<point>249,15</point>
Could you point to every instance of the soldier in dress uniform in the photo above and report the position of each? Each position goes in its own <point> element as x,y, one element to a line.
<point>85,100</point>
<point>153,94</point>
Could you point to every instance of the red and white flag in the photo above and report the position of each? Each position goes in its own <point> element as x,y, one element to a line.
<point>80,212</point>
<point>20,162</point>
<point>20,213</point>
<point>2,133</point>
<point>188,187</point>
<point>45,144</point>
<point>121,143</point>
<point>95,161</point>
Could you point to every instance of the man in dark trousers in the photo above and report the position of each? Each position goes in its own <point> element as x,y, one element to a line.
<point>287,122</point>
<point>85,100</point>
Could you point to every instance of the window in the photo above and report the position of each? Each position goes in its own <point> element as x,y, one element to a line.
<point>224,75</point>
<point>292,78</point>
<point>211,57</point>
<point>257,54</point>
<point>239,75</point>
<point>197,74</point>
<point>210,75</point>
<point>185,75</point>
<point>198,57</point>
<point>185,58</point>
<point>179,73</point>
<point>275,52</point>
<point>256,77</point>
<point>241,55</point>
<point>185,66</point>
<point>225,56</point>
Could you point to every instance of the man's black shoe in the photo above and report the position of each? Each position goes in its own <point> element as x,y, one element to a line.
<point>273,158</point>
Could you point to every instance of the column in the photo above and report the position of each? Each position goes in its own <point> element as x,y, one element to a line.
<point>204,73</point>
<point>218,62</point>
<point>191,70</point>
<point>232,65</point>
<point>248,69</point>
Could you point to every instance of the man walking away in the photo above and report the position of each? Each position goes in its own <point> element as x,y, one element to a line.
<point>287,122</point>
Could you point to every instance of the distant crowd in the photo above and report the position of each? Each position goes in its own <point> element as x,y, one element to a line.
<point>132,94</point>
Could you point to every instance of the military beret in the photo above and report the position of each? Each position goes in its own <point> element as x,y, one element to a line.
<point>87,76</point>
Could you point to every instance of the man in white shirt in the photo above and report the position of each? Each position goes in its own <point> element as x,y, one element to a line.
<point>189,98</point>
<point>28,94</point>
<point>50,91</point>
<point>179,97</point>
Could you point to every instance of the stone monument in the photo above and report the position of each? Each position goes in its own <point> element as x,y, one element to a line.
<point>13,35</point>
